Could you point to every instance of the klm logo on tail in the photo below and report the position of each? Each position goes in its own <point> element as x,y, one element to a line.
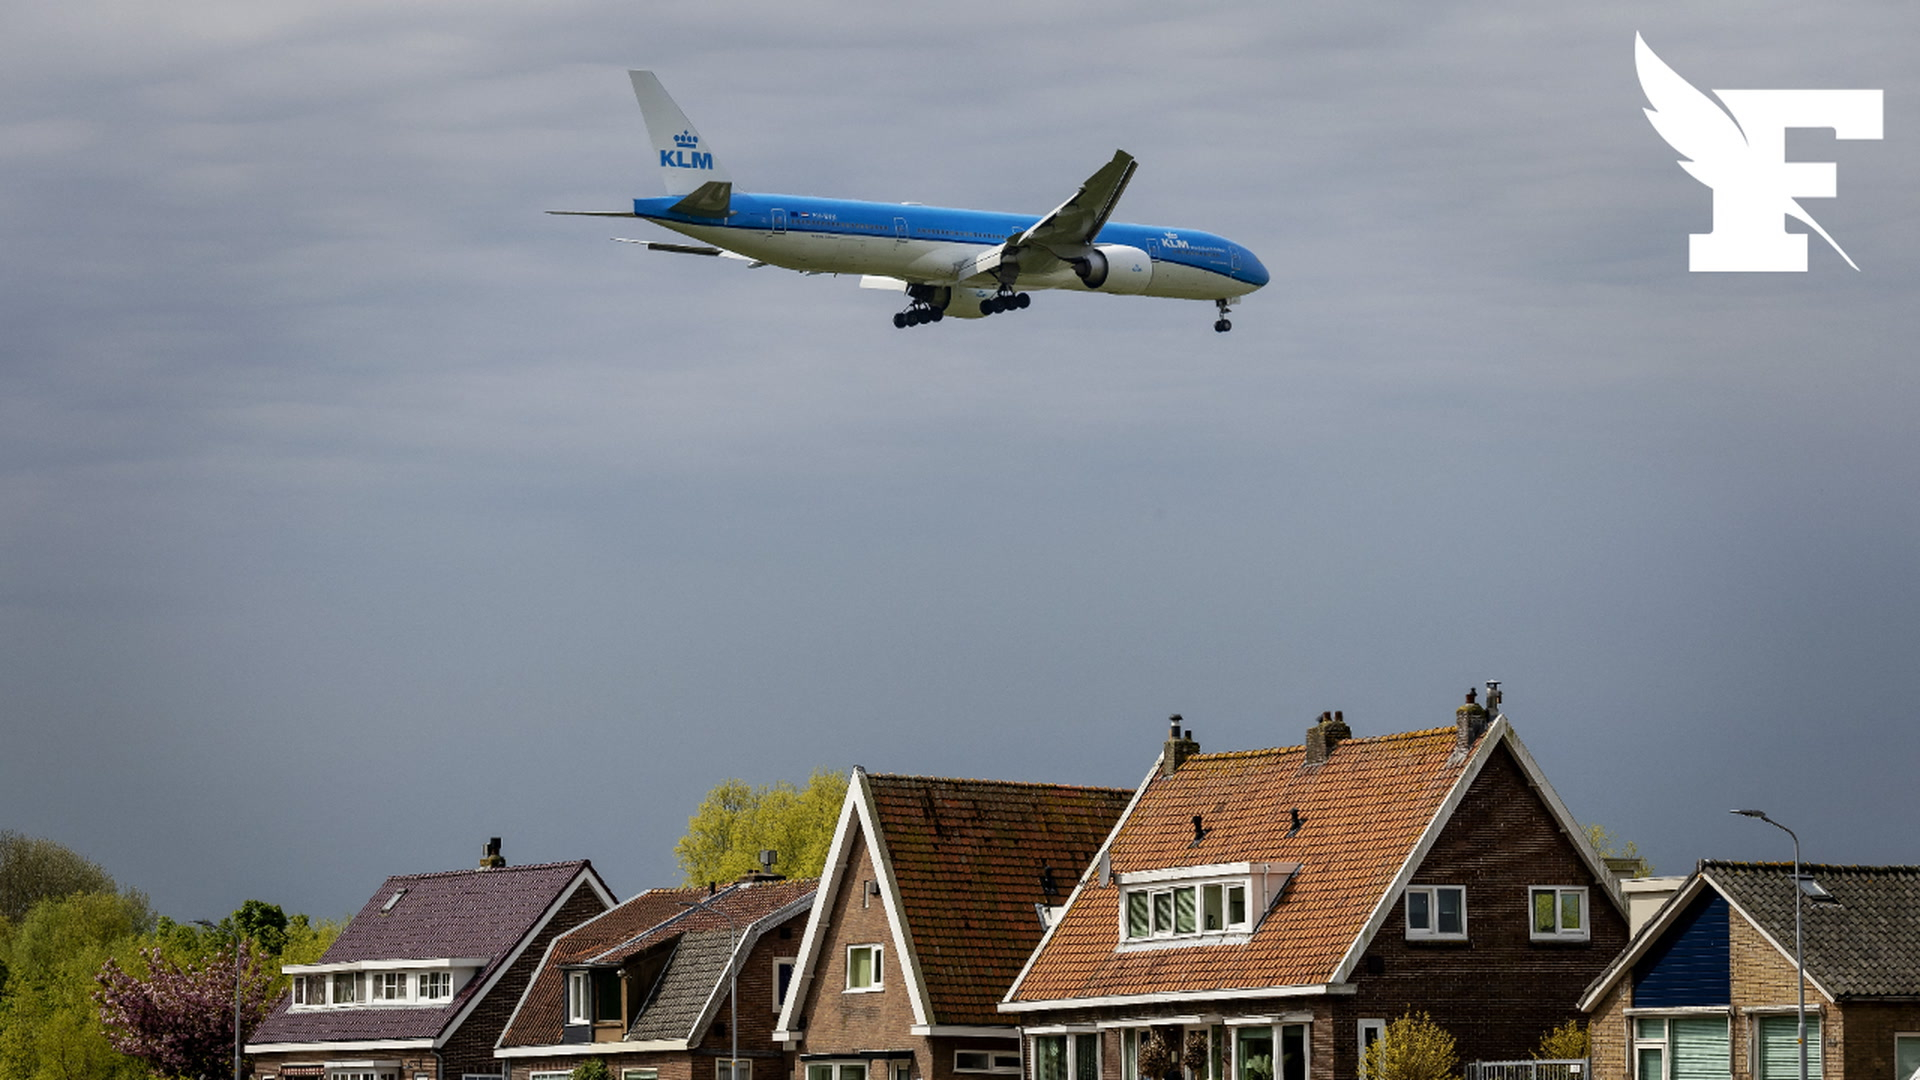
<point>686,157</point>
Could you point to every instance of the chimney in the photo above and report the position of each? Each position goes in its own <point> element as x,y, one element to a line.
<point>490,857</point>
<point>1180,746</point>
<point>1323,736</point>
<point>1469,722</point>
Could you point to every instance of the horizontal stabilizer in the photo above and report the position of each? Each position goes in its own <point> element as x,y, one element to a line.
<point>595,213</point>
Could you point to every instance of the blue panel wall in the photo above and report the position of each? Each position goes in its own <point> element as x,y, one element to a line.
<point>1691,963</point>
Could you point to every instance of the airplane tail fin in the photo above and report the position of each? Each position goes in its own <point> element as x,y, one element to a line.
<point>686,161</point>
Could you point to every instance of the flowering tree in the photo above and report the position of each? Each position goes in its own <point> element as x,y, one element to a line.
<point>178,1018</point>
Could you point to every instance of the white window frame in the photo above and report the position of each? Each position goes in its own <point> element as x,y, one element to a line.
<point>867,1067</point>
<point>1000,1066</point>
<point>1154,894</point>
<point>1898,1038</point>
<point>1276,1031</point>
<point>1432,932</point>
<point>876,966</point>
<point>550,1075</point>
<point>1583,932</point>
<point>429,980</point>
<point>383,981</point>
<point>742,1069</point>
<point>1377,1027</point>
<point>1070,1059</point>
<point>354,979</point>
<point>640,1074</point>
<point>579,998</point>
<point>788,963</point>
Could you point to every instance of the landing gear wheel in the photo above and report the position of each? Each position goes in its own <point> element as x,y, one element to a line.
<point>899,320</point>
<point>1022,300</point>
<point>1222,326</point>
<point>936,314</point>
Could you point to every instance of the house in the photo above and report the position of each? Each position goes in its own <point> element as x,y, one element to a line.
<point>1264,914</point>
<point>419,984</point>
<point>649,987</point>
<point>1707,990</point>
<point>934,893</point>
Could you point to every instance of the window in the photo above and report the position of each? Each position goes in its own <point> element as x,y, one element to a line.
<point>1182,910</point>
<point>1906,1057</point>
<point>1559,913</point>
<point>300,990</point>
<point>837,1070</point>
<point>782,978</point>
<point>1437,912</point>
<point>390,986</point>
<point>346,987</point>
<point>550,1075</point>
<point>436,985</point>
<point>639,1074</point>
<point>742,1069</point>
<point>1649,1049</point>
<point>987,1061</point>
<point>579,1003</point>
<point>1779,1037</point>
<point>1371,1031</point>
<point>863,968</point>
<point>1681,1048</point>
<point>1064,1057</point>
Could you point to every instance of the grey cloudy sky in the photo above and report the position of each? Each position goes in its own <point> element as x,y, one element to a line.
<point>352,510</point>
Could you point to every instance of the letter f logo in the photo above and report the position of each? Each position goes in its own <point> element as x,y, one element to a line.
<point>1743,158</point>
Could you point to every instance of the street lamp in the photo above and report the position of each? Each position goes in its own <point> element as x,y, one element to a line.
<point>236,995</point>
<point>733,983</point>
<point>1799,957</point>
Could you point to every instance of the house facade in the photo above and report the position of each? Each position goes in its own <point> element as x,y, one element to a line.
<point>421,981</point>
<point>649,987</point>
<point>934,893</point>
<point>1263,915</point>
<point>1708,990</point>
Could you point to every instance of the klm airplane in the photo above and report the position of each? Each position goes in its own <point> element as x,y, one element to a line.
<point>965,263</point>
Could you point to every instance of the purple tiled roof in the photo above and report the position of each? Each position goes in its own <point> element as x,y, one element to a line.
<point>482,914</point>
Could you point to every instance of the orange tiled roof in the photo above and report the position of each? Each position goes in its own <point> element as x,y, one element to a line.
<point>1361,812</point>
<point>967,856</point>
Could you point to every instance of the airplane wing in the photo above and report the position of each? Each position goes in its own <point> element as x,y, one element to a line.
<point>1078,220</point>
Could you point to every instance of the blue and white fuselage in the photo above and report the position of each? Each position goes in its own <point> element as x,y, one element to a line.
<point>949,261</point>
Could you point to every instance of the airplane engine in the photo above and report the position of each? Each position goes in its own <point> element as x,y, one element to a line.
<point>1114,268</point>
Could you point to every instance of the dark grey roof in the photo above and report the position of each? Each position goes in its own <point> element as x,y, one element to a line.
<point>1864,944</point>
<point>699,963</point>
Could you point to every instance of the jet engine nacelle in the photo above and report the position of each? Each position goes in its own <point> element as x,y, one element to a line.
<point>1113,268</point>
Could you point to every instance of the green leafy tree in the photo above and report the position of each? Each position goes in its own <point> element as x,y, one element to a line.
<point>49,1026</point>
<point>1413,1048</point>
<point>1564,1043</point>
<point>591,1069</point>
<point>1613,847</point>
<point>736,821</point>
<point>32,870</point>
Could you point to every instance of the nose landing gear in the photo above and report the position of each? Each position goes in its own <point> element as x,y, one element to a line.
<point>1222,324</point>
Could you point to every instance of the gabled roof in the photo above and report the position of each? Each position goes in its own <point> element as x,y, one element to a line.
<point>1863,943</point>
<point>960,865</point>
<point>1368,816</point>
<point>488,915</point>
<point>694,982</point>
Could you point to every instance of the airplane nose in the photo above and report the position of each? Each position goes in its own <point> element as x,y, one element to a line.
<point>1252,268</point>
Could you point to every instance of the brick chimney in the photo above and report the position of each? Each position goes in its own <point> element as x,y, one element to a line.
<point>490,857</point>
<point>1470,722</point>
<point>1180,746</point>
<point>1323,736</point>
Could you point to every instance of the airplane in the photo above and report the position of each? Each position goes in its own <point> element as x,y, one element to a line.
<point>964,263</point>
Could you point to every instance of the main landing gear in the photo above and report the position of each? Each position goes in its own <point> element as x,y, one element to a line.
<point>916,314</point>
<point>1005,300</point>
<point>1222,324</point>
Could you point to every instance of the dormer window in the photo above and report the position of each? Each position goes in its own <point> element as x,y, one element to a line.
<point>436,985</point>
<point>1198,903</point>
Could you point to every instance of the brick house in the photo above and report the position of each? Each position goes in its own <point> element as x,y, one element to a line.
<point>645,987</point>
<point>419,984</point>
<point>1263,915</point>
<point>934,893</point>
<point>1707,989</point>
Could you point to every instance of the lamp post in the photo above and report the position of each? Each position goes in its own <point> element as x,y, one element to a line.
<point>236,995</point>
<point>1799,958</point>
<point>733,982</point>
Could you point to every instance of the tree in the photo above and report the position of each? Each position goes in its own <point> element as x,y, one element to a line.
<point>1412,1048</point>
<point>1613,847</point>
<point>591,1069</point>
<point>1567,1042</point>
<point>32,870</point>
<point>736,821</point>
<point>49,1027</point>
<point>178,1018</point>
